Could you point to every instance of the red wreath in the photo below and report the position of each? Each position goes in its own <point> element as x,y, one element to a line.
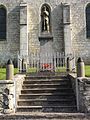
<point>46,65</point>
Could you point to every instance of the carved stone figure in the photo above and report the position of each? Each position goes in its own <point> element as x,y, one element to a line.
<point>45,20</point>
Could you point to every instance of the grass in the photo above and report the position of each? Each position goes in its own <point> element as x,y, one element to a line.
<point>87,70</point>
<point>32,70</point>
<point>3,73</point>
<point>60,69</point>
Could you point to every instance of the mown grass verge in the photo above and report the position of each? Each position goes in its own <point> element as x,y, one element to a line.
<point>60,69</point>
<point>3,73</point>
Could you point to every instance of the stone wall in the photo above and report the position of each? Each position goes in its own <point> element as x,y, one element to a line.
<point>14,87</point>
<point>6,84</point>
<point>34,24</point>
<point>10,46</point>
<point>81,87</point>
<point>19,81</point>
<point>80,44</point>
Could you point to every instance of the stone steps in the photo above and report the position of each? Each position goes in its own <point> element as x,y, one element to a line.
<point>43,81</point>
<point>61,85</point>
<point>46,90</point>
<point>46,94</point>
<point>70,108</point>
<point>45,116</point>
<point>43,102</point>
<point>45,77</point>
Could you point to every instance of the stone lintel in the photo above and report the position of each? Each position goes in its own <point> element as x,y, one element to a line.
<point>66,23</point>
<point>46,35</point>
<point>23,4</point>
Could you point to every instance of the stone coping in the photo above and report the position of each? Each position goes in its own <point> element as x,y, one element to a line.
<point>6,81</point>
<point>74,75</point>
<point>45,115</point>
<point>17,76</point>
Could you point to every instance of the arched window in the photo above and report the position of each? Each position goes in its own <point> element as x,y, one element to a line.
<point>88,21</point>
<point>2,22</point>
<point>45,18</point>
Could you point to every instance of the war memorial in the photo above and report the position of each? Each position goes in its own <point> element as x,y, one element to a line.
<point>48,41</point>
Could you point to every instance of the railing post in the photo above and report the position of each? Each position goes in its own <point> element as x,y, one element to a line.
<point>24,65</point>
<point>9,70</point>
<point>80,68</point>
<point>19,64</point>
<point>15,99</point>
<point>68,69</point>
<point>55,62</point>
<point>77,94</point>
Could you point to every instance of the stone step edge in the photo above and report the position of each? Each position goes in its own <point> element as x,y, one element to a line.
<point>59,80</point>
<point>46,100</point>
<point>27,107</point>
<point>62,84</point>
<point>46,89</point>
<point>48,94</point>
<point>41,115</point>
<point>46,76</point>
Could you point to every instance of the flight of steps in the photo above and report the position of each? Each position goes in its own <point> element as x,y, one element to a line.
<point>47,94</point>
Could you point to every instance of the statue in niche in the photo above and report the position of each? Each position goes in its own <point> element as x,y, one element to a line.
<point>45,19</point>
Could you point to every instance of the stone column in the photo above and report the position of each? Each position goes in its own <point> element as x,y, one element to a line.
<point>9,70</point>
<point>80,68</point>
<point>23,30</point>
<point>67,29</point>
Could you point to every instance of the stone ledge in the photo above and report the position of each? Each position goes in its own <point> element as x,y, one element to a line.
<point>23,4</point>
<point>73,75</point>
<point>46,116</point>
<point>6,82</point>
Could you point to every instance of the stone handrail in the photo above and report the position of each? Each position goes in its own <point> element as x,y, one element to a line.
<point>14,86</point>
<point>81,87</point>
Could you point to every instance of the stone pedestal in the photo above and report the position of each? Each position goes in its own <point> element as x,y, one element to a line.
<point>46,50</point>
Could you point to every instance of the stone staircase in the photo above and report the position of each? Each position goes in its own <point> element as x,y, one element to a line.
<point>52,94</point>
<point>46,98</point>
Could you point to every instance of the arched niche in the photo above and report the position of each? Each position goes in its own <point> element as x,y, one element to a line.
<point>45,18</point>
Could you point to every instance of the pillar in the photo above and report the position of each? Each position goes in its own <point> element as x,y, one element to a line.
<point>80,68</point>
<point>9,70</point>
<point>23,30</point>
<point>67,29</point>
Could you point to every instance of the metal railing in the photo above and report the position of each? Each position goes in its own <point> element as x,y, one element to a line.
<point>44,62</point>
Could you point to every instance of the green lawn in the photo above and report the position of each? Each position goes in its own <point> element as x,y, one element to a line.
<point>3,73</point>
<point>59,69</point>
<point>87,70</point>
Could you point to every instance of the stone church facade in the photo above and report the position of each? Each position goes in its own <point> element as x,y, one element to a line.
<point>23,30</point>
